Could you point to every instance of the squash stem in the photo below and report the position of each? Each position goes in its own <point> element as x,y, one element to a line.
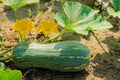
<point>107,17</point>
<point>52,2</point>
<point>21,38</point>
<point>56,37</point>
<point>38,5</point>
<point>98,41</point>
<point>16,15</point>
<point>5,58</point>
<point>6,51</point>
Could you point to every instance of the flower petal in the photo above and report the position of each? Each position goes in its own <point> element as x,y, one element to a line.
<point>23,26</point>
<point>47,27</point>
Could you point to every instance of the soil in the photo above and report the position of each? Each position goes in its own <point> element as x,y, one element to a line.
<point>104,46</point>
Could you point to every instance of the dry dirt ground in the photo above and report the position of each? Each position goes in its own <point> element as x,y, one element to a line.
<point>104,46</point>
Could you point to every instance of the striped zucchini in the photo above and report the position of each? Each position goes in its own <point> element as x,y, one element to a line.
<point>67,56</point>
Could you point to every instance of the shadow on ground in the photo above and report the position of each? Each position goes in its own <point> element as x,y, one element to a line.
<point>45,74</point>
<point>107,63</point>
<point>116,24</point>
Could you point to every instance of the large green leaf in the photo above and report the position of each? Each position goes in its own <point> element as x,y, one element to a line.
<point>81,18</point>
<point>16,4</point>
<point>10,75</point>
<point>115,11</point>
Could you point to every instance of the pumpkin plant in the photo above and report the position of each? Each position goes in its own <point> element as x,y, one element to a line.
<point>68,56</point>
<point>79,18</point>
<point>74,55</point>
<point>115,11</point>
<point>16,4</point>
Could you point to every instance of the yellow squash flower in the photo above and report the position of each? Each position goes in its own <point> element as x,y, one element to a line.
<point>47,27</point>
<point>23,26</point>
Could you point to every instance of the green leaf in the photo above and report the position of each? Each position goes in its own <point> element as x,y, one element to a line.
<point>16,4</point>
<point>115,11</point>
<point>117,66</point>
<point>81,18</point>
<point>116,4</point>
<point>63,21</point>
<point>112,12</point>
<point>9,74</point>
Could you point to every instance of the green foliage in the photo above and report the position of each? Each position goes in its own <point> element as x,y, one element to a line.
<point>9,74</point>
<point>115,11</point>
<point>115,44</point>
<point>16,4</point>
<point>2,66</point>
<point>117,66</point>
<point>116,4</point>
<point>80,18</point>
<point>29,12</point>
<point>62,1</point>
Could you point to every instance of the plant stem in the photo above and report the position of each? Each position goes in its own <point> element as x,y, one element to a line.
<point>21,38</point>
<point>53,2</point>
<point>56,37</point>
<point>98,41</point>
<point>107,17</point>
<point>16,15</point>
<point>5,58</point>
<point>6,51</point>
<point>38,5</point>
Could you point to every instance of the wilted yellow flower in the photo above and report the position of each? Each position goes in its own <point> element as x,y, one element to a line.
<point>23,26</point>
<point>47,27</point>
